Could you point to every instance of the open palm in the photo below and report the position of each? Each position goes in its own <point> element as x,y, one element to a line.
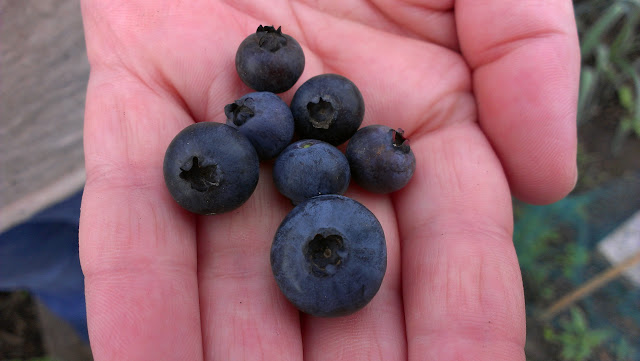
<point>485,90</point>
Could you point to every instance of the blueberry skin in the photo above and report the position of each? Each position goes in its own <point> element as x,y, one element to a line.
<point>328,107</point>
<point>380,158</point>
<point>310,167</point>
<point>210,168</point>
<point>329,256</point>
<point>269,60</point>
<point>264,119</point>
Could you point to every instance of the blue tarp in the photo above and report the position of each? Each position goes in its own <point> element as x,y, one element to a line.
<point>41,256</point>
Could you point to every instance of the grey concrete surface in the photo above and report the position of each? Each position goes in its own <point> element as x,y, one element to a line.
<point>43,78</point>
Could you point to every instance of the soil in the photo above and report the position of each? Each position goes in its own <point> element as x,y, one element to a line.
<point>599,160</point>
<point>19,328</point>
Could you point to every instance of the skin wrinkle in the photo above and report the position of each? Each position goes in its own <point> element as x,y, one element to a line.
<point>373,16</point>
<point>465,319</point>
<point>240,316</point>
<point>144,291</point>
<point>132,171</point>
<point>431,24</point>
<point>448,169</point>
<point>350,344</point>
<point>458,294</point>
<point>171,89</point>
<point>156,78</point>
<point>124,252</point>
<point>456,348</point>
<point>504,47</point>
<point>304,39</point>
<point>108,58</point>
<point>388,17</point>
<point>397,26</point>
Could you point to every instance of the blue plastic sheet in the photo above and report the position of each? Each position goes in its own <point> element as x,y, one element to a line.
<point>41,256</point>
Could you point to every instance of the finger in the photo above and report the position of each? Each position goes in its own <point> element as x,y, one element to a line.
<point>423,102</point>
<point>525,60</point>
<point>375,332</point>
<point>244,314</point>
<point>463,296</point>
<point>137,248</point>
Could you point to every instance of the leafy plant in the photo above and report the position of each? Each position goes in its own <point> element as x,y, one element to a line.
<point>624,351</point>
<point>610,49</point>
<point>532,254</point>
<point>576,340</point>
<point>573,258</point>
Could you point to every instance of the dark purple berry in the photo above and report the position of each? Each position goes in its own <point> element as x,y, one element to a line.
<point>380,158</point>
<point>264,119</point>
<point>329,256</point>
<point>210,168</point>
<point>328,107</point>
<point>269,60</point>
<point>310,167</point>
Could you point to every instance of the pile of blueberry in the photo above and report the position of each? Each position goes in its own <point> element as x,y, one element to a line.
<point>329,254</point>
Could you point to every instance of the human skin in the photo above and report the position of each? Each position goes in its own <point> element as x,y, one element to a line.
<point>485,90</point>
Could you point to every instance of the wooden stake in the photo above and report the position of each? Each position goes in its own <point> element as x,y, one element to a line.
<point>588,287</point>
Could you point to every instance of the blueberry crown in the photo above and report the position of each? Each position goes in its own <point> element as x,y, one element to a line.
<point>269,29</point>
<point>399,141</point>
<point>270,38</point>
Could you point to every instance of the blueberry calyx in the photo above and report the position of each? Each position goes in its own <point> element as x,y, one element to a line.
<point>240,111</point>
<point>325,254</point>
<point>270,39</point>
<point>400,142</point>
<point>321,112</point>
<point>200,177</point>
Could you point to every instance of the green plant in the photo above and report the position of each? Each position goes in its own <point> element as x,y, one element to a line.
<point>624,351</point>
<point>574,337</point>
<point>610,49</point>
<point>532,253</point>
<point>572,259</point>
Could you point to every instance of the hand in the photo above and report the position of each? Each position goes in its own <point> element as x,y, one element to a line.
<point>486,91</point>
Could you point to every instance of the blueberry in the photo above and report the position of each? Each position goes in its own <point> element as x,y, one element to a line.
<point>329,256</point>
<point>264,119</point>
<point>210,168</point>
<point>328,107</point>
<point>269,60</point>
<point>380,158</point>
<point>309,168</point>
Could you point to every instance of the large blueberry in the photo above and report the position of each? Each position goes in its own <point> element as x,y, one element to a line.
<point>310,167</point>
<point>210,168</point>
<point>380,158</point>
<point>265,119</point>
<point>329,256</point>
<point>269,60</point>
<point>328,107</point>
